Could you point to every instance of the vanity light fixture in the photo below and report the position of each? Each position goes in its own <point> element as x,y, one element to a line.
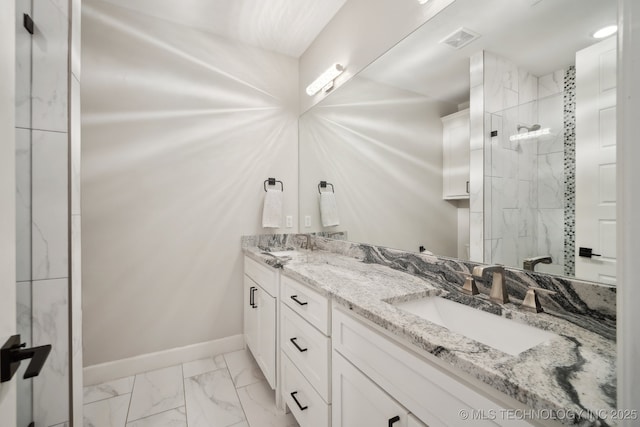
<point>530,135</point>
<point>325,79</point>
<point>605,32</point>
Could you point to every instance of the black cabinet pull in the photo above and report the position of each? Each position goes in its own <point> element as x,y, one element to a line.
<point>467,187</point>
<point>393,420</point>
<point>295,298</point>
<point>252,297</point>
<point>300,349</point>
<point>302,408</point>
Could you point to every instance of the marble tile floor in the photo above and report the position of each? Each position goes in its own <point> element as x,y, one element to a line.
<point>226,390</point>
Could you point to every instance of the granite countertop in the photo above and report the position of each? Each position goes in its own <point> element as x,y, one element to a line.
<point>573,375</point>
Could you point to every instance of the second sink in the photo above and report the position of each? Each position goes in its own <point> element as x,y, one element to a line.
<point>498,332</point>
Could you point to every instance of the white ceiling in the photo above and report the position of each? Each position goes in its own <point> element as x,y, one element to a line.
<point>540,36</point>
<point>285,26</point>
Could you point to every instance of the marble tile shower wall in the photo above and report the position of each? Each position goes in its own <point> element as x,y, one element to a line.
<point>42,205</point>
<point>523,179</point>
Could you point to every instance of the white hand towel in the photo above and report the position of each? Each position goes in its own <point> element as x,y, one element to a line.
<point>328,209</point>
<point>272,211</point>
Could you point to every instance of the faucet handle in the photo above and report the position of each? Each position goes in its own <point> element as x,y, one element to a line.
<point>469,286</point>
<point>531,302</point>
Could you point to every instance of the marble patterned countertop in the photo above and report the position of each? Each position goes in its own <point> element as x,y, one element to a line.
<point>572,376</point>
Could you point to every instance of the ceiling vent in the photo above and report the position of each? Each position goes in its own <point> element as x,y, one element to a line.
<point>460,37</point>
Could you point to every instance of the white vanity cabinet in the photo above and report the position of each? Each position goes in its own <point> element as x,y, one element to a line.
<point>455,155</point>
<point>305,346</point>
<point>399,382</point>
<point>260,329</point>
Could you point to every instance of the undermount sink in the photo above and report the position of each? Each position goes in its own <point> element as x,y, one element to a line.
<point>283,253</point>
<point>498,332</point>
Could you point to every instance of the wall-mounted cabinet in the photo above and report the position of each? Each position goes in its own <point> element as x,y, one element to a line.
<point>455,155</point>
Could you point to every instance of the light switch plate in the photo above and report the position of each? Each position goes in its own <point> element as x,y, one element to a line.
<point>289,221</point>
<point>307,221</point>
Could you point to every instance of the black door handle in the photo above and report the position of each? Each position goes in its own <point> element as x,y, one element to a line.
<point>300,349</point>
<point>393,420</point>
<point>302,408</point>
<point>586,252</point>
<point>295,298</point>
<point>13,352</point>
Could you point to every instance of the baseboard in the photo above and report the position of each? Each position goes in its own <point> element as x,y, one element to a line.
<point>96,374</point>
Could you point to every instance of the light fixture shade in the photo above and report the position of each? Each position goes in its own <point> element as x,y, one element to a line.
<point>324,79</point>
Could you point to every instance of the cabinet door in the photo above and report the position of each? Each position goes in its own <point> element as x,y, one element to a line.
<point>266,338</point>
<point>456,155</point>
<point>359,402</point>
<point>250,315</point>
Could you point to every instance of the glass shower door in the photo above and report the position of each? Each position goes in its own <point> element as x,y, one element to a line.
<point>42,237</point>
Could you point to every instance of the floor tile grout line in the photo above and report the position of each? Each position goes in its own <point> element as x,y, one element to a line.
<point>153,415</point>
<point>238,396</point>
<point>126,421</point>
<point>184,394</point>
<point>106,398</point>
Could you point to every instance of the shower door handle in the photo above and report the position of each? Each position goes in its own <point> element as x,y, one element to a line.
<point>13,352</point>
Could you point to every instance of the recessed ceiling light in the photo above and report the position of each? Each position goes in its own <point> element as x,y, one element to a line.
<point>423,1</point>
<point>605,31</point>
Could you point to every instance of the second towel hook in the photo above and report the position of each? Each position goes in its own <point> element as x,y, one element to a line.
<point>272,181</point>
<point>323,184</point>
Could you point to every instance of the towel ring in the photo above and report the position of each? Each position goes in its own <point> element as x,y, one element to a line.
<point>272,181</point>
<point>323,184</point>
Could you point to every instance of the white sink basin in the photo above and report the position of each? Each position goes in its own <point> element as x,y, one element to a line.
<point>498,332</point>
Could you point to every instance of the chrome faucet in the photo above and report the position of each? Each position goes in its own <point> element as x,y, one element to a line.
<point>308,244</point>
<point>530,263</point>
<point>498,289</point>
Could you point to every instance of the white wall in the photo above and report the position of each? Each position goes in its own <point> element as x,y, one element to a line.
<point>361,31</point>
<point>7,202</point>
<point>381,148</point>
<point>180,129</point>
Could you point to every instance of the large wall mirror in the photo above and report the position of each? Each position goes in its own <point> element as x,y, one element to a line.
<point>487,134</point>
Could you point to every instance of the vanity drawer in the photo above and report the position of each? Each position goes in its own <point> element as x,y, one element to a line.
<point>305,403</point>
<point>312,306</point>
<point>265,276</point>
<point>308,349</point>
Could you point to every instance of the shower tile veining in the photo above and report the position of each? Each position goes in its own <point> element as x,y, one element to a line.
<point>221,391</point>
